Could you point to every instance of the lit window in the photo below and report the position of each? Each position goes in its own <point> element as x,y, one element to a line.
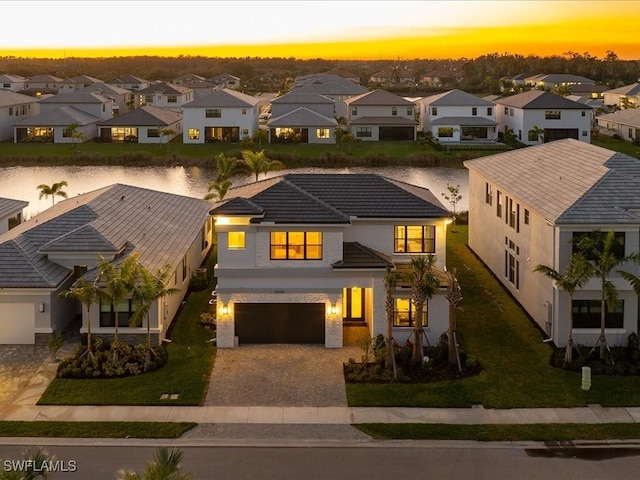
<point>213,113</point>
<point>296,245</point>
<point>323,133</point>
<point>552,114</point>
<point>236,240</point>
<point>194,134</point>
<point>404,313</point>
<point>445,132</point>
<point>415,239</point>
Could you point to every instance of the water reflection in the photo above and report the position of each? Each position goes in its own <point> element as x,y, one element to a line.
<point>20,182</point>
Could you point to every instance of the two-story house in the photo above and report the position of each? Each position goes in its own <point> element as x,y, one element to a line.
<point>456,116</point>
<point>623,97</point>
<point>335,87</point>
<point>164,95</point>
<point>122,100</point>
<point>528,205</point>
<point>130,82</point>
<point>41,84</point>
<point>557,116</point>
<point>381,115</point>
<point>15,83</point>
<point>302,117</point>
<point>302,256</point>
<point>13,108</point>
<point>226,80</point>
<point>222,116</point>
<point>146,124</point>
<point>11,213</point>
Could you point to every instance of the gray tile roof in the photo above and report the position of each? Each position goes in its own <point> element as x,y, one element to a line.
<point>225,98</point>
<point>165,88</point>
<point>8,206</point>
<point>455,98</point>
<point>9,98</point>
<point>387,120</point>
<point>159,226</point>
<point>59,117</point>
<point>537,99</point>
<point>564,78</point>
<point>7,77</point>
<point>378,97</point>
<point>568,181</point>
<point>302,117</point>
<point>301,98</point>
<point>466,121</point>
<point>633,89</point>
<point>629,116</point>
<point>44,79</point>
<point>331,88</point>
<point>239,206</point>
<point>104,89</point>
<point>356,255</point>
<point>79,96</point>
<point>147,115</point>
<point>336,198</point>
<point>130,79</point>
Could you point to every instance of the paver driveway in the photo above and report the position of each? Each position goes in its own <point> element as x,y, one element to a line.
<point>279,375</point>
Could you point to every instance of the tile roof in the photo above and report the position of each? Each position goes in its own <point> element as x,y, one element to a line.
<point>9,98</point>
<point>337,198</point>
<point>62,116</point>
<point>378,97</point>
<point>8,206</point>
<point>147,115</point>
<point>303,98</point>
<point>302,117</point>
<point>159,226</point>
<point>130,79</point>
<point>165,88</point>
<point>356,255</point>
<point>347,87</point>
<point>79,96</point>
<point>467,121</point>
<point>225,98</point>
<point>538,99</point>
<point>629,116</point>
<point>44,79</point>
<point>568,181</point>
<point>104,89</point>
<point>384,120</point>
<point>633,89</point>
<point>455,98</point>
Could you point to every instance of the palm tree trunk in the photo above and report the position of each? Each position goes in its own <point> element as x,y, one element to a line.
<point>451,337</point>
<point>568,354</point>
<point>417,333</point>
<point>388,361</point>
<point>602,340</point>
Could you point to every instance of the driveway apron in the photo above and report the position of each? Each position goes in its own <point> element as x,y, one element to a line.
<point>279,376</point>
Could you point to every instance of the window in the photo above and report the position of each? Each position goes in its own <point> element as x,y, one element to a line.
<point>584,133</point>
<point>405,312</point>
<point>394,111</point>
<point>552,114</point>
<point>506,110</point>
<point>513,212</point>
<point>363,132</point>
<point>184,268</point>
<point>617,247</point>
<point>212,113</point>
<point>499,205</point>
<point>583,113</point>
<point>296,245</point>
<point>526,216</point>
<point>153,133</point>
<point>245,131</point>
<point>353,303</point>
<point>67,132</point>
<point>323,133</point>
<point>236,240</point>
<point>414,239</point>
<point>511,112</point>
<point>512,268</point>
<point>489,111</point>
<point>125,309</point>
<point>148,99</point>
<point>630,133</point>
<point>354,110</point>
<point>586,314</point>
<point>488,194</point>
<point>474,111</point>
<point>244,111</point>
<point>434,110</point>
<point>445,132</point>
<point>409,111</point>
<point>172,99</point>
<point>10,111</point>
<point>194,134</point>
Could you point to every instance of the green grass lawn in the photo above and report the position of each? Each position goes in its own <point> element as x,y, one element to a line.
<point>95,429</point>
<point>186,372</point>
<point>616,145</point>
<point>516,371</point>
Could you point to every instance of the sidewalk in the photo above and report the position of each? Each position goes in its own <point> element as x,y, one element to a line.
<point>320,415</point>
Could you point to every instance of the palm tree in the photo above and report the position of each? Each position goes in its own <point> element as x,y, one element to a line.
<point>220,187</point>
<point>390,281</point>
<point>53,191</point>
<point>424,284</point>
<point>149,290</point>
<point>600,251</point>
<point>537,133</point>
<point>166,132</point>
<point>454,297</point>
<point>164,466</point>
<point>119,283</point>
<point>261,134</point>
<point>36,461</point>
<point>86,293</point>
<point>575,276</point>
<point>257,162</point>
<point>226,167</point>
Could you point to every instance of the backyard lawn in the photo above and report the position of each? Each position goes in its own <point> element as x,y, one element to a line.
<point>516,371</point>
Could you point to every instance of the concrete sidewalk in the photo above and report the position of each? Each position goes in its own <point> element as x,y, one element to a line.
<point>320,415</point>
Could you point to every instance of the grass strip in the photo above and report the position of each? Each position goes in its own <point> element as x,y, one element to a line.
<point>95,429</point>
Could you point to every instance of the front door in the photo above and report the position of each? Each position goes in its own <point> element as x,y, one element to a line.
<point>353,304</point>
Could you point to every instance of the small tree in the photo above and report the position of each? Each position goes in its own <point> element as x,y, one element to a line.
<point>36,464</point>
<point>164,466</point>
<point>424,284</point>
<point>390,281</point>
<point>454,297</point>
<point>537,133</point>
<point>53,191</point>
<point>166,132</point>
<point>87,293</point>
<point>453,197</point>
<point>260,135</point>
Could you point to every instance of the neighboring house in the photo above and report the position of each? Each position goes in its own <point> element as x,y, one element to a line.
<point>188,78</point>
<point>589,90</point>
<point>15,83</point>
<point>222,116</point>
<point>455,116</point>
<point>625,123</point>
<point>300,257</point>
<point>164,95</point>
<point>381,115</point>
<point>40,84</point>
<point>293,100</point>
<point>77,83</point>
<point>142,125</point>
<point>121,99</point>
<point>130,82</point>
<point>226,80</point>
<point>438,79</point>
<point>43,257</point>
<point>556,115</point>
<point>623,97</point>
<point>53,126</point>
<point>337,88</point>
<point>527,206</point>
<point>13,108</point>
<point>302,125</point>
<point>344,73</point>
<point>90,102</point>
<point>11,213</point>
<point>557,80</point>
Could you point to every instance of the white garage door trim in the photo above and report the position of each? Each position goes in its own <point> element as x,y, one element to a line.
<point>17,323</point>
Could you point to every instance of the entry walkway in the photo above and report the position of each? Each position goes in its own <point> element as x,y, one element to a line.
<point>593,414</point>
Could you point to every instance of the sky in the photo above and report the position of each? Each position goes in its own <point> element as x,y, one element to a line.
<point>330,29</point>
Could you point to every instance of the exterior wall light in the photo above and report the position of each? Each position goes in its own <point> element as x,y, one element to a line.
<point>41,308</point>
<point>224,309</point>
<point>333,309</point>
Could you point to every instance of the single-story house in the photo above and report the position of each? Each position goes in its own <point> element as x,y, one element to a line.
<point>13,108</point>
<point>142,125</point>
<point>302,125</point>
<point>625,123</point>
<point>54,126</point>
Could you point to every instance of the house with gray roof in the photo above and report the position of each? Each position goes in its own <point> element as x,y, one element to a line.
<point>45,255</point>
<point>130,82</point>
<point>302,257</point>
<point>456,116</point>
<point>142,125</point>
<point>15,107</point>
<point>527,206</point>
<point>226,80</point>
<point>625,123</point>
<point>122,100</point>
<point>335,87</point>
<point>11,213</point>
<point>381,115</point>
<point>15,83</point>
<point>557,116</point>
<point>41,84</point>
<point>77,83</point>
<point>164,95</point>
<point>627,96</point>
<point>553,81</point>
<point>302,125</point>
<point>222,116</point>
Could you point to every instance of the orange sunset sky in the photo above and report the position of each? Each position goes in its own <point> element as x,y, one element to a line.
<point>318,29</point>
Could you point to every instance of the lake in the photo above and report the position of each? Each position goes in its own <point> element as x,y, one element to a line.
<point>20,182</point>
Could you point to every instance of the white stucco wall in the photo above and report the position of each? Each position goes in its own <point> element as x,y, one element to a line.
<point>194,117</point>
<point>19,112</point>
<point>523,121</point>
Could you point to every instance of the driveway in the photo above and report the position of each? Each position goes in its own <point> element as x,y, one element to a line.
<point>279,376</point>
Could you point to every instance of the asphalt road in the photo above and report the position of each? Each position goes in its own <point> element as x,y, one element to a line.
<point>376,460</point>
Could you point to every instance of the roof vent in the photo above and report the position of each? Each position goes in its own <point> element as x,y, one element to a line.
<point>122,197</point>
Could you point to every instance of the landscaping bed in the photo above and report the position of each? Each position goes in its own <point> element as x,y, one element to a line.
<point>620,361</point>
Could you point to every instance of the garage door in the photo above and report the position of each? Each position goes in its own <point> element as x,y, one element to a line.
<point>279,322</point>
<point>17,323</point>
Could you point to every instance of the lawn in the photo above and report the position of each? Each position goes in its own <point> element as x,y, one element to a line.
<point>616,145</point>
<point>186,372</point>
<point>95,429</point>
<point>516,371</point>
